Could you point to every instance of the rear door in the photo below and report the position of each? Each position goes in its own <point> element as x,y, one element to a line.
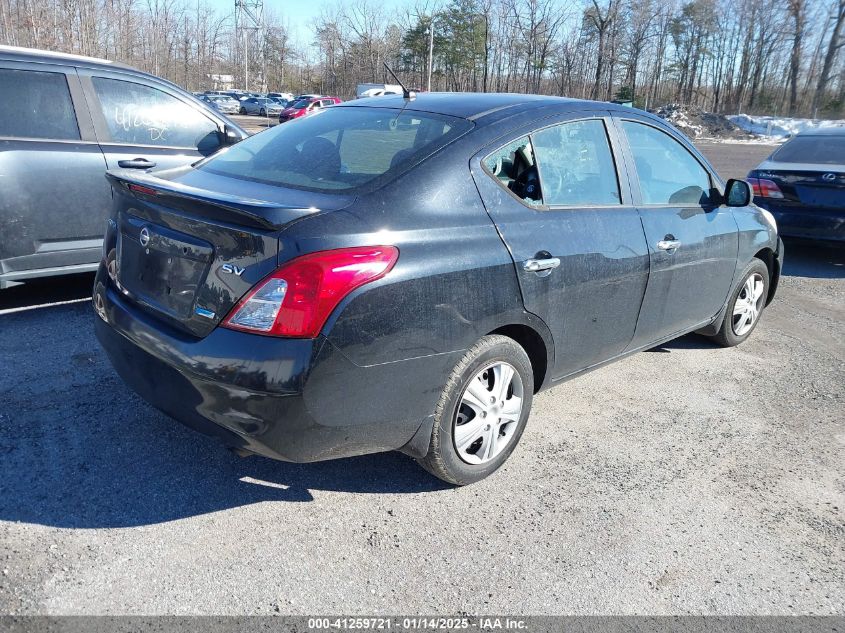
<point>563,207</point>
<point>146,125</point>
<point>692,241</point>
<point>54,199</point>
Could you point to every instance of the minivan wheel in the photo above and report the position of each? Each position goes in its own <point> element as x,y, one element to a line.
<point>482,411</point>
<point>746,305</point>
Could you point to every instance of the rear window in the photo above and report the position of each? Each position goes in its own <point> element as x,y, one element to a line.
<point>337,149</point>
<point>824,150</point>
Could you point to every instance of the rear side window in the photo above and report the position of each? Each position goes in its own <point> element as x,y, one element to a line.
<point>141,115</point>
<point>821,150</point>
<point>514,167</point>
<point>667,172</point>
<point>35,104</point>
<point>337,148</point>
<point>576,165</point>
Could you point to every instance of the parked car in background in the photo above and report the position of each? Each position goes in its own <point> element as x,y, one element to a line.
<point>376,90</point>
<point>803,185</point>
<point>64,120</point>
<point>222,103</point>
<point>469,250</point>
<point>283,96</point>
<point>307,106</point>
<point>261,106</point>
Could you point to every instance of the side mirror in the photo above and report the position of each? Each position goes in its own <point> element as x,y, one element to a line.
<point>737,193</point>
<point>230,136</point>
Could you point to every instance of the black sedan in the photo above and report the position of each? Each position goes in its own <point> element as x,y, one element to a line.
<point>803,185</point>
<point>405,274</point>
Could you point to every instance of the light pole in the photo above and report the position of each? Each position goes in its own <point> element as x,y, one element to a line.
<point>430,51</point>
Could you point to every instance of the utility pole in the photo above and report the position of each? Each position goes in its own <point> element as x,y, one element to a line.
<point>249,18</point>
<point>430,51</point>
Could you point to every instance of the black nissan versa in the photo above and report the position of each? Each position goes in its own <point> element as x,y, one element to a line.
<point>406,274</point>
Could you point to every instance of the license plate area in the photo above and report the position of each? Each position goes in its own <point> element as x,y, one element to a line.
<point>161,267</point>
<point>821,196</point>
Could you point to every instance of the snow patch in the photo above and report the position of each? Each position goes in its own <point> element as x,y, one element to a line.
<point>779,128</point>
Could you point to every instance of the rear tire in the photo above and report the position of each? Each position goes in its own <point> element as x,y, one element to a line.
<point>482,412</point>
<point>745,306</point>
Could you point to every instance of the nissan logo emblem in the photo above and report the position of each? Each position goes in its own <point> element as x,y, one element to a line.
<point>145,236</point>
<point>829,177</point>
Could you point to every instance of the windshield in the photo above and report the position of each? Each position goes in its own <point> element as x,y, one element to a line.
<point>825,150</point>
<point>299,105</point>
<point>338,149</point>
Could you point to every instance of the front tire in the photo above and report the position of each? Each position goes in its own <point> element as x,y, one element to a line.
<point>262,112</point>
<point>482,412</point>
<point>242,110</point>
<point>746,305</point>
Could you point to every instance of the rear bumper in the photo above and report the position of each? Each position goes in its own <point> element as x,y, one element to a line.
<point>808,223</point>
<point>296,400</point>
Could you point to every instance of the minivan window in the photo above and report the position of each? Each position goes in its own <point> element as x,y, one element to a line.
<point>142,115</point>
<point>668,173</point>
<point>36,104</point>
<point>576,164</point>
<point>337,148</point>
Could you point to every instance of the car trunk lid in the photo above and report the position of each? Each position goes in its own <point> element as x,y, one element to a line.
<point>187,254</point>
<point>814,186</point>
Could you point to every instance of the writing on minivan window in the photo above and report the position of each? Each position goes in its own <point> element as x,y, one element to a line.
<point>145,115</point>
<point>132,115</point>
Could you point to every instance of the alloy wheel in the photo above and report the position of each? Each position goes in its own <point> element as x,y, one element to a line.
<point>748,304</point>
<point>488,413</point>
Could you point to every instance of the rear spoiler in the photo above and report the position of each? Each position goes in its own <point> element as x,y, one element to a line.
<point>259,214</point>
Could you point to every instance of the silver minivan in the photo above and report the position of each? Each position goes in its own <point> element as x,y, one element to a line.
<point>65,120</point>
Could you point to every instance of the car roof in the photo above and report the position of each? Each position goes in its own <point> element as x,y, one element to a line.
<point>477,106</point>
<point>19,53</point>
<point>824,131</point>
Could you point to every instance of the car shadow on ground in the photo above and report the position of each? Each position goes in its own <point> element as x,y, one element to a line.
<point>147,469</point>
<point>689,341</point>
<point>78,449</point>
<point>816,260</point>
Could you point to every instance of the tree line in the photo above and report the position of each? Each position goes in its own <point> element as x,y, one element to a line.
<point>784,57</point>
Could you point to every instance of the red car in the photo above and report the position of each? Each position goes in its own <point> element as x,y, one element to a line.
<point>304,107</point>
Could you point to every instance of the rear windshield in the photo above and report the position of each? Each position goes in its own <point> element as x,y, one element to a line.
<point>825,150</point>
<point>337,149</point>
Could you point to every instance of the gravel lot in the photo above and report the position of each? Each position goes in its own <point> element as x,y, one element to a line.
<point>689,479</point>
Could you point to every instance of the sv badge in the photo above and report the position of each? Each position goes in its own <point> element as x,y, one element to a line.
<point>231,269</point>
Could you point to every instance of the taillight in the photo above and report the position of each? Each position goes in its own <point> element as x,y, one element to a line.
<point>296,299</point>
<point>142,189</point>
<point>765,188</point>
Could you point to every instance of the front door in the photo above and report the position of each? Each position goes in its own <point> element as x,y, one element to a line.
<point>143,126</point>
<point>692,241</point>
<point>576,239</point>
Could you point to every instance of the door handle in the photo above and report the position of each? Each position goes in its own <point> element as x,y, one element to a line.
<point>537,265</point>
<point>668,245</point>
<point>136,163</point>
